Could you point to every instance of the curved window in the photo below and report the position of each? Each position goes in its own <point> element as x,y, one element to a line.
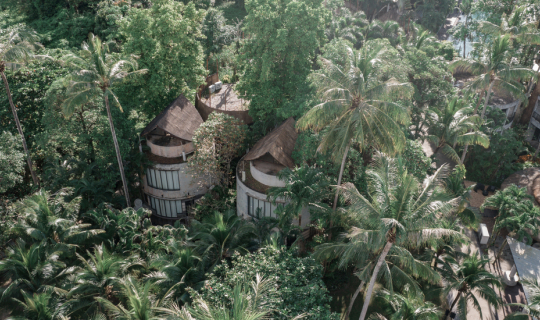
<point>163,180</point>
<point>264,208</point>
<point>166,208</point>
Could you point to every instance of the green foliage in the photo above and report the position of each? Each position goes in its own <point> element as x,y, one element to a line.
<point>218,199</point>
<point>517,213</point>
<point>493,165</point>
<point>248,302</point>
<point>217,142</point>
<point>164,37</point>
<point>216,31</point>
<point>434,13</point>
<point>299,289</point>
<point>12,161</point>
<point>122,228</point>
<point>277,55</point>
<point>415,160</point>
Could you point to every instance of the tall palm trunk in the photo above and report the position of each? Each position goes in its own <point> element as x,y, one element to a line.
<point>528,112</point>
<point>355,295</point>
<point>486,100</point>
<point>467,145</point>
<point>117,148</point>
<point>378,266</point>
<point>454,303</point>
<point>339,183</point>
<point>19,128</point>
<point>465,37</point>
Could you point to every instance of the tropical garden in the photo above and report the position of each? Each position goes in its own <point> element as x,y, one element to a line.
<point>372,85</point>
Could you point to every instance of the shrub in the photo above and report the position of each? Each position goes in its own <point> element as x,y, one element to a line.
<point>300,289</point>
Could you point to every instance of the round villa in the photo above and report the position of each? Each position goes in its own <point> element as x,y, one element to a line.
<point>257,172</point>
<point>169,188</point>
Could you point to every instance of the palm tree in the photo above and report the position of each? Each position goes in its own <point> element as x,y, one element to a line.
<point>97,277</point>
<point>402,269</point>
<point>179,269</point>
<point>455,126</point>
<point>46,218</point>
<point>15,48</point>
<point>96,73</point>
<point>221,235</point>
<point>32,270</point>
<point>357,107</point>
<point>516,25</point>
<point>466,8</point>
<point>407,306</point>
<point>40,306</point>
<point>522,222</point>
<point>139,302</point>
<point>495,69</point>
<point>532,308</point>
<point>249,303</point>
<point>400,215</point>
<point>303,187</point>
<point>470,280</point>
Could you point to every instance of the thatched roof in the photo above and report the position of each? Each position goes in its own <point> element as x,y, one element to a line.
<point>279,144</point>
<point>180,119</point>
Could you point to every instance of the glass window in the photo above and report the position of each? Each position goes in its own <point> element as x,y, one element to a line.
<point>264,208</point>
<point>166,208</point>
<point>163,179</point>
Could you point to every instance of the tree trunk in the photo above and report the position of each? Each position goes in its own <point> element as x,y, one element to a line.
<point>353,299</point>
<point>465,37</point>
<point>467,145</point>
<point>486,100</point>
<point>383,255</point>
<point>19,128</point>
<point>536,152</point>
<point>454,303</point>
<point>117,148</point>
<point>527,113</point>
<point>334,206</point>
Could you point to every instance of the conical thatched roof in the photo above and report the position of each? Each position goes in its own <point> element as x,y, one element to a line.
<point>180,119</point>
<point>279,144</point>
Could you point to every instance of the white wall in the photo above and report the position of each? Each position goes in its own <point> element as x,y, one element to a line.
<point>170,151</point>
<point>264,178</point>
<point>189,185</point>
<point>242,192</point>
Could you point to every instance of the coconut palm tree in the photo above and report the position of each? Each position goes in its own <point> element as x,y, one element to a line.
<point>96,73</point>
<point>522,222</point>
<point>16,47</point>
<point>517,25</point>
<point>532,308</point>
<point>470,280</point>
<point>220,235</point>
<point>455,126</point>
<point>495,69</point>
<point>32,270</point>
<point>139,303</point>
<point>38,306</point>
<point>177,270</point>
<point>97,277</point>
<point>407,306</point>
<point>401,270</point>
<point>303,186</point>
<point>48,218</point>
<point>249,303</point>
<point>401,214</point>
<point>466,8</point>
<point>357,107</point>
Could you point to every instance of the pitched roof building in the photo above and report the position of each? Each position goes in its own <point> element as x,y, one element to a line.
<point>170,189</point>
<point>258,171</point>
